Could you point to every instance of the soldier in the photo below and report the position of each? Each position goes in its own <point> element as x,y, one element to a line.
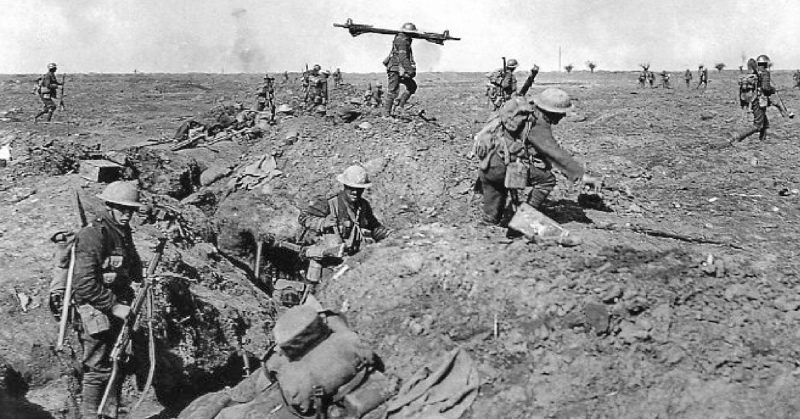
<point>400,69</point>
<point>373,96</point>
<point>337,77</point>
<point>265,97</point>
<point>285,77</point>
<point>308,75</point>
<point>106,262</point>
<point>345,218</point>
<point>48,90</point>
<point>687,77</point>
<point>642,78</point>
<point>318,90</point>
<point>502,84</point>
<point>702,75</point>
<point>665,80</point>
<point>760,95</point>
<point>796,78</point>
<point>651,78</point>
<point>522,132</point>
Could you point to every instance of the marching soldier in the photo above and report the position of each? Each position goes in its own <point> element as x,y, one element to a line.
<point>665,80</point>
<point>687,77</point>
<point>702,75</point>
<point>502,84</point>
<point>48,90</point>
<point>106,262</point>
<point>522,132</point>
<point>642,78</point>
<point>337,78</point>
<point>796,78</point>
<point>651,78</point>
<point>761,94</point>
<point>400,69</point>
<point>265,96</point>
<point>318,91</point>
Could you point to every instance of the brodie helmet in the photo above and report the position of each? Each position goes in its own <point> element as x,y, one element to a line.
<point>409,27</point>
<point>763,61</point>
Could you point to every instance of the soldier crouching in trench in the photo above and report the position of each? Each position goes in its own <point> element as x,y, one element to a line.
<point>345,219</point>
<point>521,132</point>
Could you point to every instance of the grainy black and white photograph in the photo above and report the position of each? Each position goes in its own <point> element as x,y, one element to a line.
<point>419,209</point>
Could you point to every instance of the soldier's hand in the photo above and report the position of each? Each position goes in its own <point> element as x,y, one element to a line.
<point>594,183</point>
<point>121,311</point>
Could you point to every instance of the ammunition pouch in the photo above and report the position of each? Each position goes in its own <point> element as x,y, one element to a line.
<point>93,320</point>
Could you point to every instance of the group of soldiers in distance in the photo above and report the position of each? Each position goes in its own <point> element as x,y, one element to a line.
<point>514,151</point>
<point>647,76</point>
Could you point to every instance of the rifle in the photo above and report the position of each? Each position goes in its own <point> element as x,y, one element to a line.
<point>120,349</point>
<point>61,99</point>
<point>62,324</point>
<point>356,29</point>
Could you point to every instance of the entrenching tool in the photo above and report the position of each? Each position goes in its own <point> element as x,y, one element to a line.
<point>356,29</point>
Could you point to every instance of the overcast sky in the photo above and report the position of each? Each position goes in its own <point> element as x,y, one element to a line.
<point>273,35</point>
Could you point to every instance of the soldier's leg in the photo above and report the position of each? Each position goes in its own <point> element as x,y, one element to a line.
<point>542,182</point>
<point>759,118</point>
<point>96,373</point>
<point>411,88</point>
<point>762,132</point>
<point>51,107</point>
<point>393,86</point>
<point>494,193</point>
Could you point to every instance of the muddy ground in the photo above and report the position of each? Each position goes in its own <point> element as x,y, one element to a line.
<point>682,300</point>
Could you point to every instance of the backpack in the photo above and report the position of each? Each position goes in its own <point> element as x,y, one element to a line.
<point>496,77</point>
<point>37,86</point>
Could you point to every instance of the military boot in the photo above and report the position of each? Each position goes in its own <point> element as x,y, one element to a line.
<point>741,135</point>
<point>401,103</point>
<point>388,103</point>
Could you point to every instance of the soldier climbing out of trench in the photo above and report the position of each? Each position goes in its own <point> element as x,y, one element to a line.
<point>106,263</point>
<point>345,219</point>
<point>520,134</point>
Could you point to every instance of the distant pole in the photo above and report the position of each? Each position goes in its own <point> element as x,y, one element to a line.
<point>559,58</point>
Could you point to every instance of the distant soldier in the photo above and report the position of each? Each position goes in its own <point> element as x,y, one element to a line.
<point>502,84</point>
<point>642,78</point>
<point>345,218</point>
<point>48,90</point>
<point>762,95</point>
<point>374,96</point>
<point>665,80</point>
<point>308,75</point>
<point>651,78</point>
<point>687,77</point>
<point>521,132</point>
<point>318,91</point>
<point>796,78</point>
<point>265,96</point>
<point>400,69</point>
<point>702,75</point>
<point>337,77</point>
<point>285,77</point>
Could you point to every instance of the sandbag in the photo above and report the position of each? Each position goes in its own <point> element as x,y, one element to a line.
<point>206,406</point>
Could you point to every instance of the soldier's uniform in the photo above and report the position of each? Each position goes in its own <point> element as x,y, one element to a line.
<point>266,95</point>
<point>796,78</point>
<point>106,263</point>
<point>642,78</point>
<point>521,132</point>
<point>373,96</point>
<point>337,77</point>
<point>502,84</point>
<point>665,80</point>
<point>342,219</point>
<point>702,75</point>
<point>318,90</point>
<point>400,69</point>
<point>687,77</point>
<point>758,90</point>
<point>48,90</point>
<point>651,78</point>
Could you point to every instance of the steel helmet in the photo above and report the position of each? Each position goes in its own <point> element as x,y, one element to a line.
<point>409,27</point>
<point>284,108</point>
<point>512,63</point>
<point>355,177</point>
<point>763,60</point>
<point>320,109</point>
<point>298,321</point>
<point>553,100</point>
<point>51,66</point>
<point>317,67</point>
<point>121,193</point>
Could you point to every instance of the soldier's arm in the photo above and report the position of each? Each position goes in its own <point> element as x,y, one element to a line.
<point>379,232</point>
<point>88,276</point>
<point>540,137</point>
<point>315,217</point>
<point>403,51</point>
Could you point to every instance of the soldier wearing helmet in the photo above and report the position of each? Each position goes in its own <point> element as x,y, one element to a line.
<point>265,97</point>
<point>48,90</point>
<point>702,76</point>
<point>522,132</point>
<point>318,91</point>
<point>502,84</point>
<point>687,77</point>
<point>757,91</point>
<point>106,263</point>
<point>345,219</point>
<point>400,69</point>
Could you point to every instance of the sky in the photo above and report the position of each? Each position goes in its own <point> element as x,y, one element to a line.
<point>256,36</point>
